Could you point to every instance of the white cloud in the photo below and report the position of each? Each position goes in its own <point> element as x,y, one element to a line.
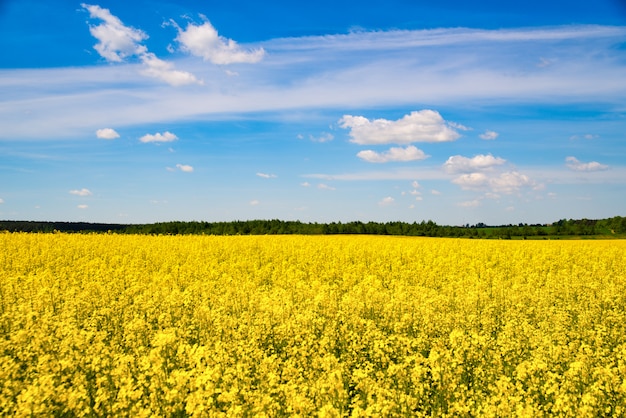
<point>586,136</point>
<point>435,192</point>
<point>82,206</point>
<point>387,201</point>
<point>470,203</point>
<point>323,186</point>
<point>117,42</point>
<point>508,182</point>
<point>266,176</point>
<point>471,180</point>
<point>394,154</point>
<point>81,192</point>
<point>254,202</point>
<point>204,41</point>
<point>489,135</point>
<point>574,164</point>
<point>184,167</point>
<point>159,137</point>
<point>355,70</point>
<point>324,137</point>
<point>164,71</point>
<point>460,164</point>
<point>107,133</point>
<point>1,201</point>
<point>305,184</point>
<point>418,126</point>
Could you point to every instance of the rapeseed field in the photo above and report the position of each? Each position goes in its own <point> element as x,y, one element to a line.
<point>208,326</point>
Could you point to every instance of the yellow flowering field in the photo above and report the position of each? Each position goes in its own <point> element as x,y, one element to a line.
<point>135,325</point>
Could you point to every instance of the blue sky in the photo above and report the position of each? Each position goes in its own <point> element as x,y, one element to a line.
<point>456,112</point>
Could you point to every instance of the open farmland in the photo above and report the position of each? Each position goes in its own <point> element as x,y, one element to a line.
<point>130,325</point>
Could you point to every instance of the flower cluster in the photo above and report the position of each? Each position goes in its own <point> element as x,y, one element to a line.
<point>119,325</point>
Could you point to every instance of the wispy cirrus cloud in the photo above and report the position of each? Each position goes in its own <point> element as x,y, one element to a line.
<point>185,168</point>
<point>488,135</point>
<point>356,70</point>
<point>266,175</point>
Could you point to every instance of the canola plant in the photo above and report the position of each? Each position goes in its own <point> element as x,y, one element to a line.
<point>208,326</point>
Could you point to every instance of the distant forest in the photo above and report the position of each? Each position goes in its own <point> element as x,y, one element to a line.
<point>602,228</point>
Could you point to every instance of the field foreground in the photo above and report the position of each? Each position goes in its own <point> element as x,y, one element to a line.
<point>119,325</point>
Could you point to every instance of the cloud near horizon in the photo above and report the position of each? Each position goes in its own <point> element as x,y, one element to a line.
<point>507,182</point>
<point>480,173</point>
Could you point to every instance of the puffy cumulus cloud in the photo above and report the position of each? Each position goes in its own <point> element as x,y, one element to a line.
<point>508,182</point>
<point>82,206</point>
<point>185,168</point>
<point>107,133</point>
<point>159,137</point>
<point>204,41</point>
<point>387,201</point>
<point>418,126</point>
<point>82,192</point>
<point>471,180</point>
<point>489,135</point>
<point>266,176</point>
<point>394,154</point>
<point>460,164</point>
<point>574,164</point>
<point>117,42</point>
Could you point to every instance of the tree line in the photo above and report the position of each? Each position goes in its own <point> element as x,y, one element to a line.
<point>615,227</point>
